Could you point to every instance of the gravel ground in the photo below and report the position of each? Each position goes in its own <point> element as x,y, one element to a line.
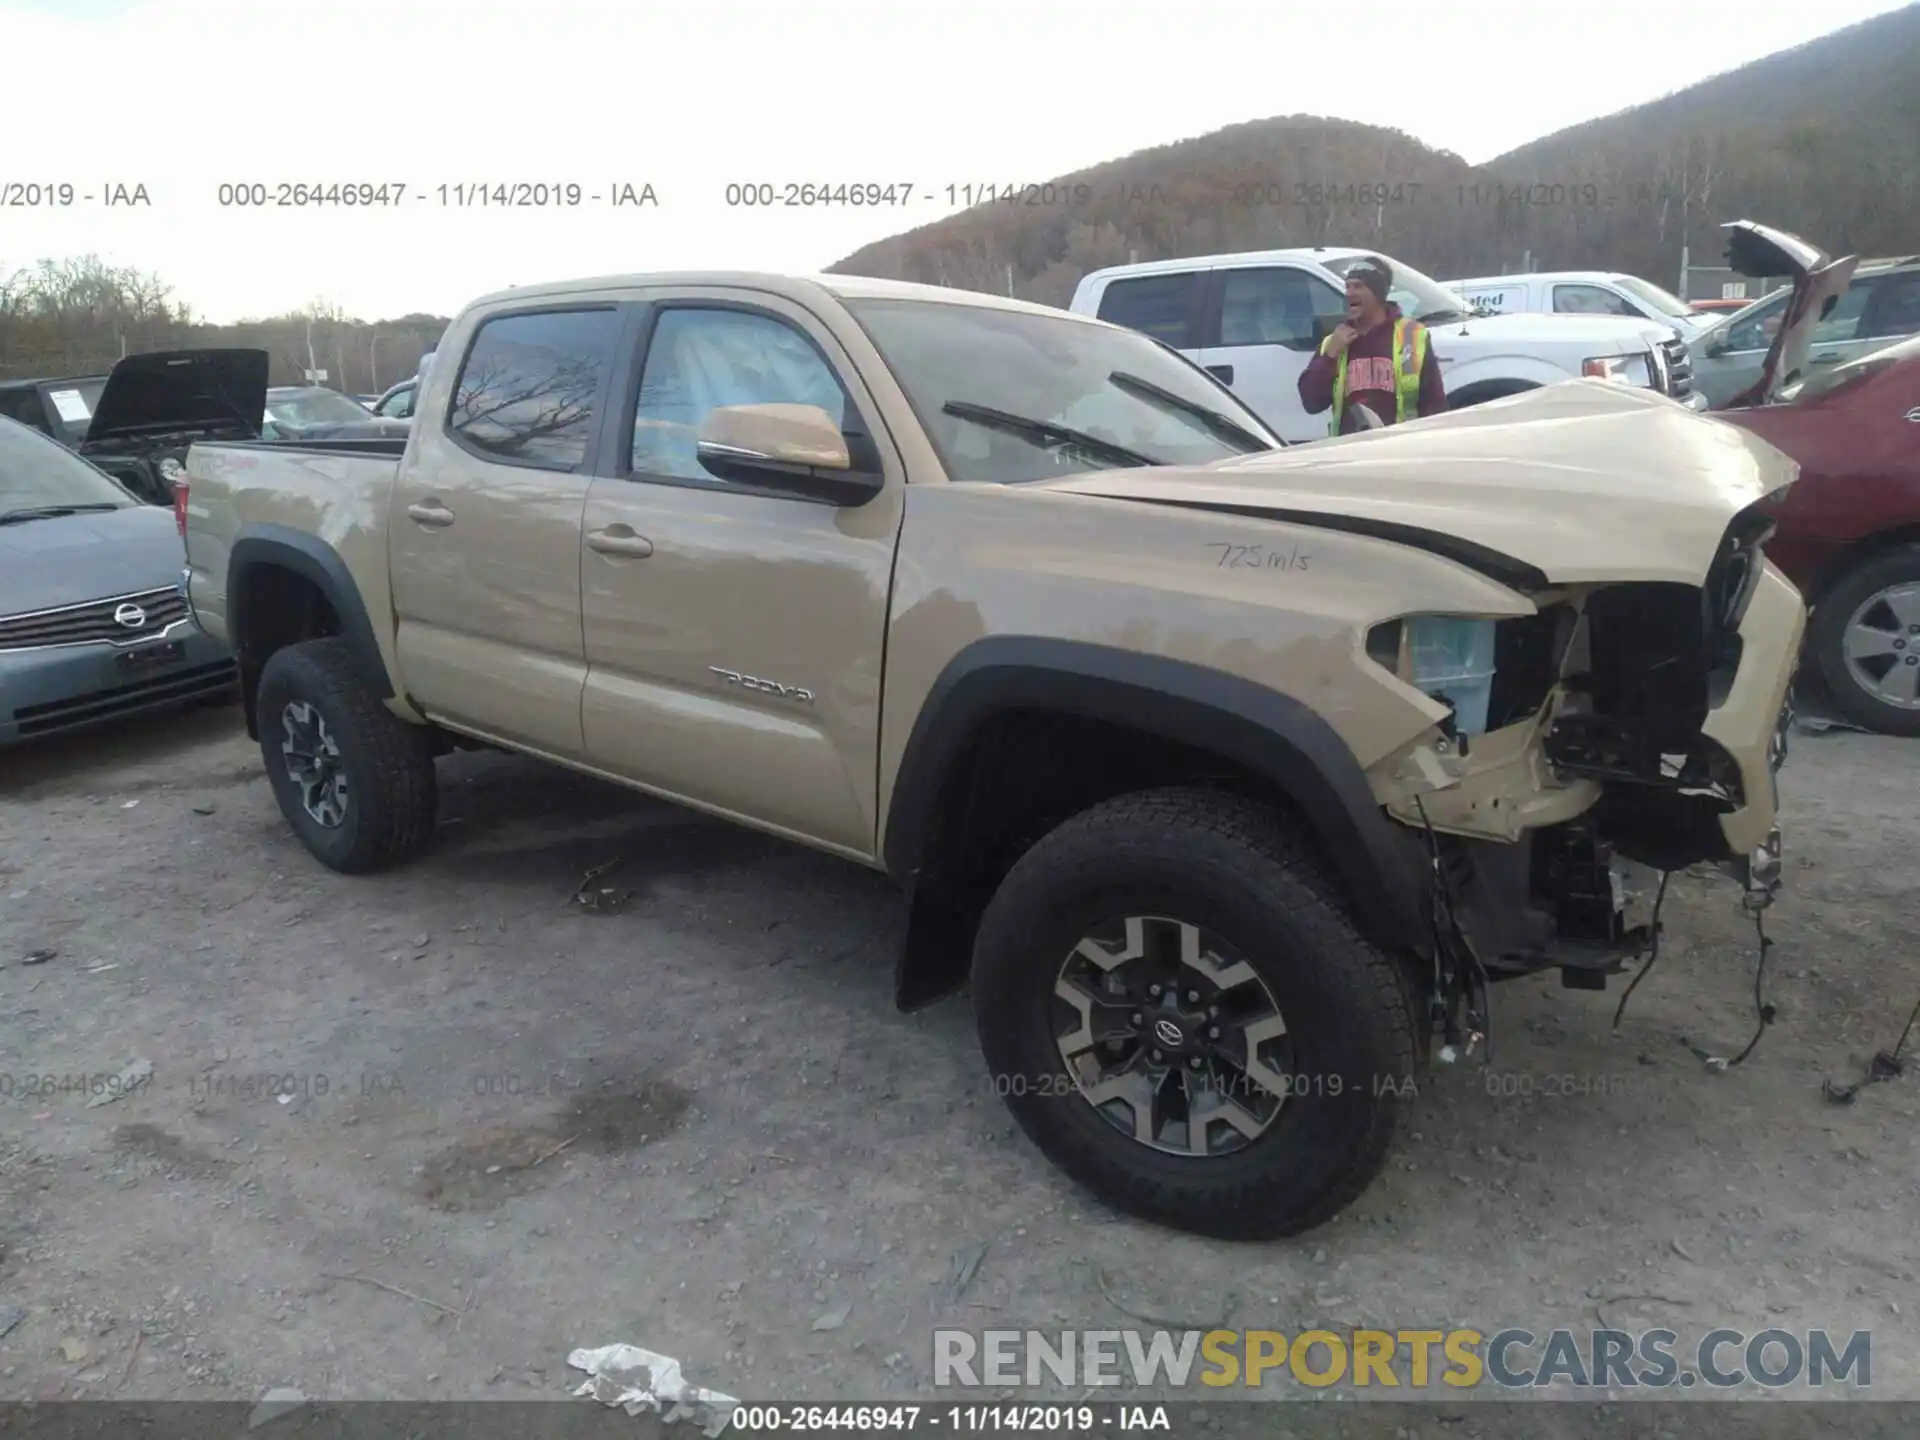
<point>420,1135</point>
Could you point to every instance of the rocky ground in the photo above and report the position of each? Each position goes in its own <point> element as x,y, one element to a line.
<point>422,1135</point>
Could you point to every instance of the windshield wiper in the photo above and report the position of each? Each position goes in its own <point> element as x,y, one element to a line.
<point>50,512</point>
<point>1221,425</point>
<point>1447,317</point>
<point>1046,434</point>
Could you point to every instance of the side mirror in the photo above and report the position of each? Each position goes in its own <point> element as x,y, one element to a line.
<point>1718,348</point>
<point>1368,420</point>
<point>785,447</point>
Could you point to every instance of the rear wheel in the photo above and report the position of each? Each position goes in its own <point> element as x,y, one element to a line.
<point>355,781</point>
<point>1865,639</point>
<point>1180,1014</point>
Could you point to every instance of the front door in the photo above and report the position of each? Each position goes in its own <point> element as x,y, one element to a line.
<point>485,527</point>
<point>1264,324</point>
<point>735,635</point>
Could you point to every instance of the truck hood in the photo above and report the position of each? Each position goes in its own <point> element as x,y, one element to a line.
<point>181,391</point>
<point>71,559</point>
<point>1818,283</point>
<point>1607,334</point>
<point>1580,482</point>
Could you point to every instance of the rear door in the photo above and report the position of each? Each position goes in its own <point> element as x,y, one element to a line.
<point>1512,297</point>
<point>735,635</point>
<point>1260,326</point>
<point>485,527</point>
<point>1883,308</point>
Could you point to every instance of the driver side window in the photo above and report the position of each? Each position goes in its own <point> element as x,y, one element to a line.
<point>1756,332</point>
<point>701,359</point>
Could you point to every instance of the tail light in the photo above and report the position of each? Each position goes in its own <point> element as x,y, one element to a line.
<point>175,475</point>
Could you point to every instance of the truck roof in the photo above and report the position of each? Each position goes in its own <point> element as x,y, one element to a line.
<point>797,287</point>
<point>1543,275</point>
<point>1313,254</point>
<point>47,380</point>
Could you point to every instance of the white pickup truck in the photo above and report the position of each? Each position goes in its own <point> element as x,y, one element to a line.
<point>1255,319</point>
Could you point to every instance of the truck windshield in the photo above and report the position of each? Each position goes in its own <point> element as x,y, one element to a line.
<point>1418,296</point>
<point>1654,297</point>
<point>298,409</point>
<point>1002,394</point>
<point>36,471</point>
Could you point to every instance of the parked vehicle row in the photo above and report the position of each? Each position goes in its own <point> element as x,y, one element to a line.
<point>1880,305</point>
<point>1584,292</point>
<point>1255,319</point>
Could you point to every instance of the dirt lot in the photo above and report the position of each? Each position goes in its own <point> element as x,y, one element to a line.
<point>508,1125</point>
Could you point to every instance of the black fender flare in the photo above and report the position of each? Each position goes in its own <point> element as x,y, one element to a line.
<point>314,560</point>
<point>1268,733</point>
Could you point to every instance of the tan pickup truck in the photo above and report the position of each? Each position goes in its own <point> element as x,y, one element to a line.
<point>1229,773</point>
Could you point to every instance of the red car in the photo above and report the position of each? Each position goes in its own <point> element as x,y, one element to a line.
<point>1848,530</point>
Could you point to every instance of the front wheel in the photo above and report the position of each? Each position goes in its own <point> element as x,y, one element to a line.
<point>1179,1012</point>
<point>1865,639</point>
<point>354,780</point>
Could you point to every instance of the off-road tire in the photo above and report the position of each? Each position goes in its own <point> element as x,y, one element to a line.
<point>1238,869</point>
<point>388,763</point>
<point>1827,630</point>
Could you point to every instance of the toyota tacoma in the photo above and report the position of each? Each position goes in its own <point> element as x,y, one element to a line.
<point>1228,773</point>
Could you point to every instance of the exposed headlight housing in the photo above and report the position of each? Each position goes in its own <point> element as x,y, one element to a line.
<point>1623,369</point>
<point>172,471</point>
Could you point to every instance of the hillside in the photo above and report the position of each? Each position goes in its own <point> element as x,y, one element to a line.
<point>1823,139</point>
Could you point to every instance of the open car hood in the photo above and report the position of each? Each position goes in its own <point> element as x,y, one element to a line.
<point>1579,482</point>
<point>1818,283</point>
<point>174,391</point>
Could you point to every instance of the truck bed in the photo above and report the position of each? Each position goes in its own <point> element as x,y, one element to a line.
<point>334,490</point>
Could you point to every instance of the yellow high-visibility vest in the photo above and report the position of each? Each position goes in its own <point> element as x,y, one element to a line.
<point>1409,358</point>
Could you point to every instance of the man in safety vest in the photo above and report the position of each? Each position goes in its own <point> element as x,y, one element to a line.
<point>1379,358</point>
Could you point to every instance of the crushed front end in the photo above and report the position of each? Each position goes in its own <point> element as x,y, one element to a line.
<point>1620,733</point>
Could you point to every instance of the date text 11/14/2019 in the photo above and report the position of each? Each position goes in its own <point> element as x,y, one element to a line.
<point>1009,1416</point>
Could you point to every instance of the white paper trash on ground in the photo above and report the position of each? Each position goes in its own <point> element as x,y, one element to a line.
<point>641,1380</point>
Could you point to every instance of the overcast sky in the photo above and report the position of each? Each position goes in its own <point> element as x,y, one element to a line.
<point>182,96</point>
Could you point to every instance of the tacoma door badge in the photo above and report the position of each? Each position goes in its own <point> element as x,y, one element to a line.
<point>765,687</point>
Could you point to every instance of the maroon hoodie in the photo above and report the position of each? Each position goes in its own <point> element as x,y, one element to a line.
<point>1370,378</point>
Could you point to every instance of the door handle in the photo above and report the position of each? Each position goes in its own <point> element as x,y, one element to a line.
<point>619,540</point>
<point>432,514</point>
<point>1222,373</point>
<point>1825,360</point>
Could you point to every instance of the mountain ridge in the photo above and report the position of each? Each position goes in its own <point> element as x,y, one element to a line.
<point>1822,139</point>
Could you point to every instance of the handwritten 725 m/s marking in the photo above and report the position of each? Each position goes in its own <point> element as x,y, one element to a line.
<point>1258,557</point>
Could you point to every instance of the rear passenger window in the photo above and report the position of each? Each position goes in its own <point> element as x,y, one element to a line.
<point>1156,305</point>
<point>1590,300</point>
<point>529,385</point>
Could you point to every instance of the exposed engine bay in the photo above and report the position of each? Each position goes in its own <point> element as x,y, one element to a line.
<point>1593,775</point>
